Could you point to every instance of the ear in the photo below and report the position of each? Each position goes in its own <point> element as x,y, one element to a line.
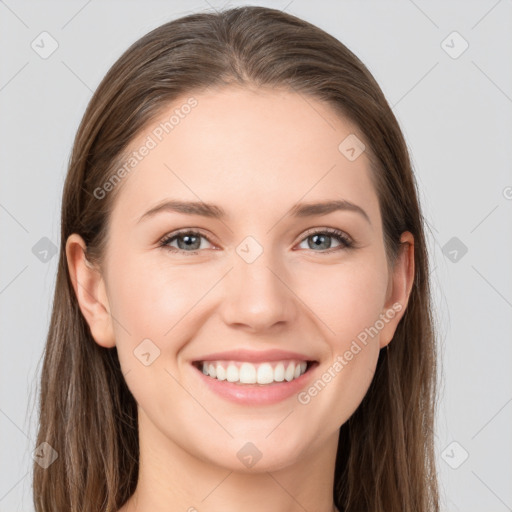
<point>90,291</point>
<point>399,288</point>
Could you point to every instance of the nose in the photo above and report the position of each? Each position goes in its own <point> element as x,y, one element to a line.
<point>258,295</point>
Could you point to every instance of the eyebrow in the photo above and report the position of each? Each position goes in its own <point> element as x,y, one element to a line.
<point>216,212</point>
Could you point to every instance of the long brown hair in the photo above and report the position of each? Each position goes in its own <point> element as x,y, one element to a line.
<point>385,459</point>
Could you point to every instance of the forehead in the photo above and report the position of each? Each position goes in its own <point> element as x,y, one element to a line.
<point>250,149</point>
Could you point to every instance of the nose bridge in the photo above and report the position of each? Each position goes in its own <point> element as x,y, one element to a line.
<point>256,293</point>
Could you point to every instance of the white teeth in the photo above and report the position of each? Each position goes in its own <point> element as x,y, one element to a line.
<point>249,373</point>
<point>232,373</point>
<point>265,374</point>
<point>279,372</point>
<point>221,372</point>
<point>289,373</point>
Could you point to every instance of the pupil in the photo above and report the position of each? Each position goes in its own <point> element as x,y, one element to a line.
<point>188,241</point>
<point>323,237</point>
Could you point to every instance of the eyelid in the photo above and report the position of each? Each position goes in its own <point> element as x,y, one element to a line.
<point>327,230</point>
<point>185,231</point>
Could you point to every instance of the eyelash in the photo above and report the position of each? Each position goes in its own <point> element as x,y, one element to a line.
<point>345,241</point>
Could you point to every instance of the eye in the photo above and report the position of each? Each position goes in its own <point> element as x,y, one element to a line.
<point>321,240</point>
<point>188,241</point>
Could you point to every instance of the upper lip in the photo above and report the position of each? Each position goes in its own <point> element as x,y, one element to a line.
<point>254,356</point>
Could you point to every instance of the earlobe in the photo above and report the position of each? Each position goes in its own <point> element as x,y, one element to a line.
<point>399,288</point>
<point>90,291</point>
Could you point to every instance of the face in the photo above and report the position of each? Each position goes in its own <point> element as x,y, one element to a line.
<point>295,302</point>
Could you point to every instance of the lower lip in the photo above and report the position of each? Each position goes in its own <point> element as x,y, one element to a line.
<point>256,394</point>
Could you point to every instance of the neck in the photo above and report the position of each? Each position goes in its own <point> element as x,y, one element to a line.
<point>173,479</point>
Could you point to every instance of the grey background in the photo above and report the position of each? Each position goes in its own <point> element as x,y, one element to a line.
<point>456,115</point>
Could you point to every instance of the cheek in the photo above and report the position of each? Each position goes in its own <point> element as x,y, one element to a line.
<point>149,294</point>
<point>152,299</point>
<point>151,303</point>
<point>348,297</point>
<point>348,305</point>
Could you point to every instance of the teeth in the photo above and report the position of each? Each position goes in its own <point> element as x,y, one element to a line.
<point>279,372</point>
<point>289,373</point>
<point>248,373</point>
<point>221,372</point>
<point>265,374</point>
<point>232,373</point>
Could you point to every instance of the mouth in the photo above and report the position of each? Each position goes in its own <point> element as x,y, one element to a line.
<point>254,377</point>
<point>245,373</point>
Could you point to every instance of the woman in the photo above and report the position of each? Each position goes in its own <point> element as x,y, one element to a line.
<point>242,314</point>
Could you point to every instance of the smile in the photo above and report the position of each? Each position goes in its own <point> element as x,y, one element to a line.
<point>261,383</point>
<point>250,373</point>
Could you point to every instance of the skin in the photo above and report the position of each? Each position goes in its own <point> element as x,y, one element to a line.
<point>255,153</point>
